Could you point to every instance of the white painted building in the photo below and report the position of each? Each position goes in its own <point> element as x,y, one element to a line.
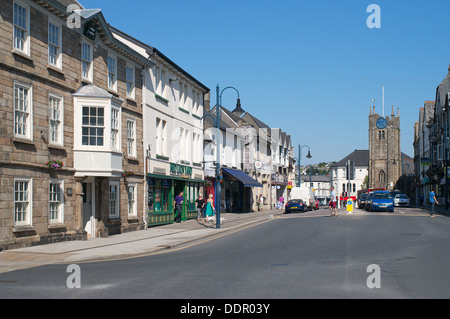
<point>338,174</point>
<point>173,134</point>
<point>231,145</point>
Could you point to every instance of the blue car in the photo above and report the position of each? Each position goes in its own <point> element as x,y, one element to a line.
<point>295,205</point>
<point>380,200</point>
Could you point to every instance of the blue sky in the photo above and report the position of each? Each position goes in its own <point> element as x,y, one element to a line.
<point>310,68</point>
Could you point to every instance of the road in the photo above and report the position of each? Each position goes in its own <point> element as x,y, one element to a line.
<point>293,256</point>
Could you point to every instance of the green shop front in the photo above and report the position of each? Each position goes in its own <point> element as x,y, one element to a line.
<point>161,192</point>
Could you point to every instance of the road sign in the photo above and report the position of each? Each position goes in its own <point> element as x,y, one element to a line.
<point>349,206</point>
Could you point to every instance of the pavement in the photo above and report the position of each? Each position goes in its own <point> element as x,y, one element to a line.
<point>137,243</point>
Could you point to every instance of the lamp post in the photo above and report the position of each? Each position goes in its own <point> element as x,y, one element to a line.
<point>299,160</point>
<point>218,177</point>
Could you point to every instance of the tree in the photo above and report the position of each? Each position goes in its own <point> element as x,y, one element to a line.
<point>365,184</point>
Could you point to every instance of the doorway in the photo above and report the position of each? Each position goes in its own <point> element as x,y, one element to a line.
<point>179,187</point>
<point>88,209</point>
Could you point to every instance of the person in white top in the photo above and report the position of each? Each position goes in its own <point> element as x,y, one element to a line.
<point>333,202</point>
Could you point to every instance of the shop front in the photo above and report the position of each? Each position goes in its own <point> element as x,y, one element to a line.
<point>237,193</point>
<point>162,190</point>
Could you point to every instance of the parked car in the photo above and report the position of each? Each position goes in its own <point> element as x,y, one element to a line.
<point>402,200</point>
<point>395,192</point>
<point>380,200</point>
<point>295,205</point>
<point>362,201</point>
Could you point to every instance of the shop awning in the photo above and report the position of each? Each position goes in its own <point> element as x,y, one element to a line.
<point>242,177</point>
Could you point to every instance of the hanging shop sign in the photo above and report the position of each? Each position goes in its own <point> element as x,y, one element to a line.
<point>90,31</point>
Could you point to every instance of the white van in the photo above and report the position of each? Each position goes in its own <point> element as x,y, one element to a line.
<point>306,194</point>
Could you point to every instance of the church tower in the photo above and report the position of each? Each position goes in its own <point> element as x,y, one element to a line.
<point>384,150</point>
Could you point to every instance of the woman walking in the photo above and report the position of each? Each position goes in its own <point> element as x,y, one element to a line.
<point>210,210</point>
<point>200,205</point>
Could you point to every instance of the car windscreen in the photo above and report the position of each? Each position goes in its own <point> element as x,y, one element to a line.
<point>403,196</point>
<point>382,196</point>
<point>295,201</point>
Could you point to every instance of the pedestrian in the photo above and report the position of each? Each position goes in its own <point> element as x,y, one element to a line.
<point>260,202</point>
<point>178,207</point>
<point>200,205</point>
<point>433,201</point>
<point>210,210</point>
<point>281,200</point>
<point>332,202</point>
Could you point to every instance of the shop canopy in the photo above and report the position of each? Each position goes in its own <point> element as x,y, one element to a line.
<point>242,177</point>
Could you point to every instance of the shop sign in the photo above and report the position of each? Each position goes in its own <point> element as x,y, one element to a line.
<point>425,161</point>
<point>180,170</point>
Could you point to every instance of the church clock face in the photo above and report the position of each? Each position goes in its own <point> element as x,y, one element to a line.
<point>381,123</point>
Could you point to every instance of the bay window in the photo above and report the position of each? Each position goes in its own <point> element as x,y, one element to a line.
<point>93,126</point>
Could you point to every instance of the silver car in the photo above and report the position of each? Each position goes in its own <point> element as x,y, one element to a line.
<point>402,200</point>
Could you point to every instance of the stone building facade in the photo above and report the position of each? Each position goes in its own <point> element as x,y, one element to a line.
<point>385,162</point>
<point>61,88</point>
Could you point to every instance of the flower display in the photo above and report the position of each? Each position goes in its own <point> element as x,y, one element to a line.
<point>128,173</point>
<point>55,164</point>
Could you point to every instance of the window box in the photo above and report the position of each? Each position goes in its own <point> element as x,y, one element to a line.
<point>128,173</point>
<point>55,164</point>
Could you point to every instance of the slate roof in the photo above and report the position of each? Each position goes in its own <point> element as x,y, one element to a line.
<point>359,158</point>
<point>255,121</point>
<point>69,2</point>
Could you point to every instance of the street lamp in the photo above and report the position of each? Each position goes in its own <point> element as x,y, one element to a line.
<point>299,160</point>
<point>218,178</point>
